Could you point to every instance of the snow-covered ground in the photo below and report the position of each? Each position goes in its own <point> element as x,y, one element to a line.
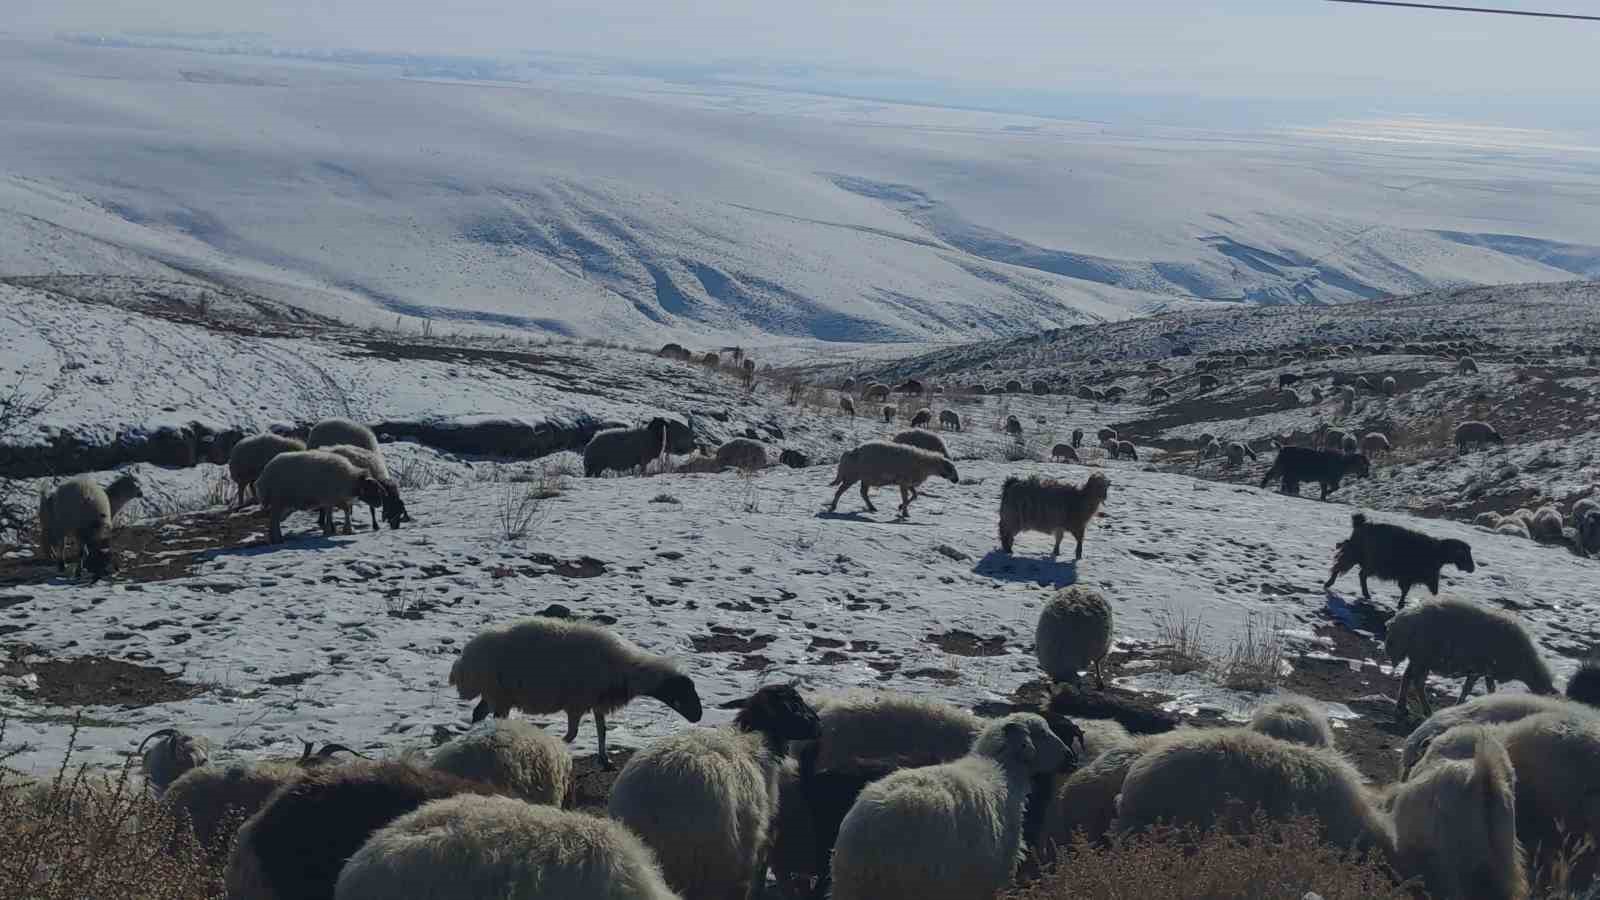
<point>745,580</point>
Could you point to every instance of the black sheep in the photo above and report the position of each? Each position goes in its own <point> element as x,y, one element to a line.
<point>1326,467</point>
<point>1398,554</point>
<point>1584,685</point>
<point>296,845</point>
<point>1137,716</point>
<point>1286,379</point>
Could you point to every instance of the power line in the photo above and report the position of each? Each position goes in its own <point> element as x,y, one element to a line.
<point>1471,9</point>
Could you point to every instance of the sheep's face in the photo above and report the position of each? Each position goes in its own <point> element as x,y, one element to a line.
<point>98,560</point>
<point>947,470</point>
<point>678,693</point>
<point>1494,437</point>
<point>780,712</point>
<point>371,491</point>
<point>1459,554</point>
<point>1097,487</point>
<point>394,509</point>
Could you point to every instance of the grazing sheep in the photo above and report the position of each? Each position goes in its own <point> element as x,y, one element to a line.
<point>1298,720</point>
<point>1453,637</point>
<point>1296,464</point>
<point>1374,443</point>
<point>1115,392</point>
<point>794,459</point>
<point>1063,453</point>
<point>1208,382</point>
<point>847,405</point>
<point>481,847</point>
<point>926,440</point>
<point>1390,387</point>
<point>1013,386</point>
<point>251,455</point>
<point>1488,709</point>
<point>963,818</point>
<point>1287,378</point>
<point>1107,436</point>
<point>949,419</point>
<point>672,351</point>
<point>1077,438</point>
<point>1158,395</point>
<point>174,754</point>
<point>545,665</point>
<point>294,847</point>
<point>371,462</point>
<point>705,799</point>
<point>313,479</point>
<point>922,418</point>
<point>910,386</point>
<point>1052,507</point>
<point>1222,776</point>
<point>1514,527</point>
<point>1546,526</point>
<point>82,509</point>
<point>880,463</point>
<point>624,449</point>
<point>1210,449</point>
<point>1350,445</point>
<point>1124,449</point>
<point>876,391</point>
<point>1237,452</point>
<point>1085,802</point>
<point>888,414</point>
<point>1466,365</point>
<point>1487,519</point>
<point>1332,439</point>
<point>711,361</point>
<point>865,730</point>
<point>1074,634</point>
<point>1582,508</point>
<point>1288,399</point>
<point>1041,388</point>
<point>1589,532</point>
<point>1470,434</point>
<point>1396,553</point>
<point>1014,426</point>
<point>743,453</point>
<point>330,432</point>
<point>514,757</point>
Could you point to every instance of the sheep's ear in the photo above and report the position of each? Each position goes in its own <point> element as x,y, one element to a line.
<point>1019,744</point>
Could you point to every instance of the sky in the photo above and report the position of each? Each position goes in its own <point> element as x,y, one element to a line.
<point>1271,49</point>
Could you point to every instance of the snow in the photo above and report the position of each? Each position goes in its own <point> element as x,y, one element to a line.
<point>834,601</point>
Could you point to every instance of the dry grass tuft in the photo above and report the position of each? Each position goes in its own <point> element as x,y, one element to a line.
<point>1182,641</point>
<point>1254,660</point>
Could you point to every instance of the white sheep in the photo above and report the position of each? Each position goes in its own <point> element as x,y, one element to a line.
<point>82,509</point>
<point>517,757</point>
<point>173,754</point>
<point>251,455</point>
<point>744,454</point>
<point>1073,634</point>
<point>1489,709</point>
<point>1237,451</point>
<point>1297,719</point>
<point>1375,443</point>
<point>624,449</point>
<point>927,440</point>
<point>705,799</point>
<point>313,479</point>
<point>371,462</point>
<point>1085,802</point>
<point>951,831</point>
<point>480,847</point>
<point>1454,637</point>
<point>878,463</point>
<point>867,730</point>
<point>546,665</point>
<point>330,432</point>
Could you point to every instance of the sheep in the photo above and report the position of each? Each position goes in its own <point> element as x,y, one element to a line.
<point>1582,508</point>
<point>1296,719</point>
<point>545,665</point>
<point>1013,386</point>
<point>1107,435</point>
<point>170,757</point>
<point>922,418</point>
<point>1456,822</point>
<point>1588,527</point>
<point>875,391</point>
<point>1454,637</point>
<point>1316,394</point>
<point>514,757</point>
<point>330,432</point>
<point>948,418</point>
<point>673,351</point>
<point>1237,452</point>
<point>371,462</point>
<point>1476,434</point>
<point>1514,527</point>
<point>1124,448</point>
<point>1014,426</point>
<point>926,440</point>
<point>1487,519</point>
<point>84,510</point>
<point>624,449</point>
<point>705,799</point>
<point>1364,383</point>
<point>471,846</point>
<point>1085,802</point>
<point>865,730</point>
<point>1115,392</point>
<point>951,831</point>
<point>793,856</point>
<point>1074,634</point>
<point>294,847</point>
<point>1390,387</point>
<point>1374,443</point>
<point>743,454</point>
<point>1041,388</point>
<point>1288,399</point>
<point>313,479</point>
<point>847,406</point>
<point>1077,438</point>
<point>711,361</point>
<point>1210,449</point>
<point>1488,709</point>
<point>1063,453</point>
<point>1332,439</point>
<point>249,456</point>
<point>880,463</point>
<point>1546,526</point>
<point>209,801</point>
<point>1347,398</point>
<point>1158,395</point>
<point>1052,507</point>
<point>1296,464</point>
<point>1350,445</point>
<point>1466,365</point>
<point>1399,554</point>
<point>1287,378</point>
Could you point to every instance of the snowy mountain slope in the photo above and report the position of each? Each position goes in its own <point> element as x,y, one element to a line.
<point>352,638</point>
<point>636,209</point>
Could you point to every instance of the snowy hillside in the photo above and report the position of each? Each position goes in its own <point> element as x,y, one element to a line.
<point>643,210</point>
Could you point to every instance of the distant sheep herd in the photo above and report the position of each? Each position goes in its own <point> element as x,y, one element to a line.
<point>870,794</point>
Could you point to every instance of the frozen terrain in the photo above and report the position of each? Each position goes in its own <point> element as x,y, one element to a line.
<point>641,209</point>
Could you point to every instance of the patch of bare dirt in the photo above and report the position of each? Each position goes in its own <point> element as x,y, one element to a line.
<point>95,680</point>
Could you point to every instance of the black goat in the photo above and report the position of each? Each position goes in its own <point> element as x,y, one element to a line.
<point>1398,554</point>
<point>1326,467</point>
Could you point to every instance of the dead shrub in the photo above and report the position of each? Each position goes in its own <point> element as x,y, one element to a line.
<point>1182,641</point>
<point>1254,660</point>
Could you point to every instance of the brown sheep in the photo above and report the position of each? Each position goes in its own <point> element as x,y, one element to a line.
<point>1052,507</point>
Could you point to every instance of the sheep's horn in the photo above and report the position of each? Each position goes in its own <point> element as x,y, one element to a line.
<point>165,732</point>
<point>305,752</point>
<point>330,749</point>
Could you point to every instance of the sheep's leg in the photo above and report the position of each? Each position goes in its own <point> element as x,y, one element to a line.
<point>1404,590</point>
<point>1488,683</point>
<point>1099,673</point>
<point>1400,699</point>
<point>573,720</point>
<point>905,502</point>
<point>866,499</point>
<point>1078,535</point>
<point>1466,689</point>
<point>600,728</point>
<point>1366,594</point>
<point>275,526</point>
<point>1060,533</point>
<point>348,529</point>
<point>374,511</point>
<point>834,506</point>
<point>1422,692</point>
